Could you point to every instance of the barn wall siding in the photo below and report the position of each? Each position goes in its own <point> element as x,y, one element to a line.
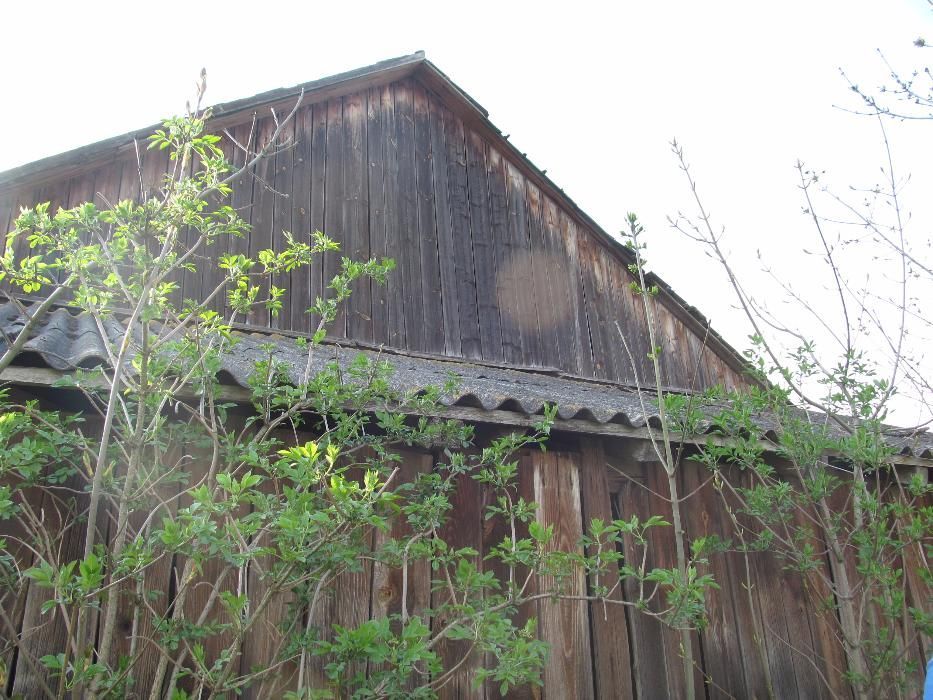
<point>489,267</point>
<point>596,650</point>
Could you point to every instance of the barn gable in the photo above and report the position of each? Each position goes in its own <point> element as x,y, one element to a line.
<point>494,262</point>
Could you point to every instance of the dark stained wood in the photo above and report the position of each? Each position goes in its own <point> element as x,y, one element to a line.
<point>213,577</point>
<point>603,333</point>
<point>662,546</point>
<point>559,283</point>
<point>724,656</point>
<point>409,254</point>
<point>612,668</point>
<point>545,294</point>
<point>388,584</point>
<point>767,582</point>
<point>649,660</point>
<point>283,205</point>
<point>136,632</point>
<point>262,645</point>
<point>241,200</point>
<point>44,634</point>
<point>460,225</point>
<point>207,257</point>
<point>397,293</point>
<point>442,220</point>
<point>376,182</point>
<point>673,371</point>
<point>300,295</point>
<point>563,623</point>
<point>738,584</point>
<point>628,309</point>
<point>826,673</point>
<point>188,280</point>
<point>356,213</point>
<point>583,358</point>
<point>334,210</point>
<point>262,223</point>
<point>520,277</point>
<point>510,282</point>
<point>484,253</point>
<point>431,288</point>
<point>464,528</point>
<point>495,530</point>
<point>316,279</point>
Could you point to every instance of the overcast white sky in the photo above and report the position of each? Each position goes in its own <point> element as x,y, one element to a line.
<point>592,91</point>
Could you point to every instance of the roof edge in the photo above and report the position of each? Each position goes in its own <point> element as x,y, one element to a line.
<point>387,70</point>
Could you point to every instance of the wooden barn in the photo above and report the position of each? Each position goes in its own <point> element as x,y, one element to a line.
<point>504,282</point>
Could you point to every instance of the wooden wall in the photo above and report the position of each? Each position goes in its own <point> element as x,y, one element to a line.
<point>597,651</point>
<point>489,266</point>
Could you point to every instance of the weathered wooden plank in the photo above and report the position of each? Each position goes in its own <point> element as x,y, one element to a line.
<point>376,144</point>
<point>546,347</point>
<point>398,285</point>
<point>186,280</point>
<point>213,577</point>
<point>673,371</point>
<point>241,200</point>
<point>464,528</point>
<point>346,601</point>
<point>43,634</point>
<point>696,351</point>
<point>356,213</point>
<point>260,235</point>
<point>389,583</point>
<point>263,644</point>
<point>409,254</point>
<point>155,167</point>
<point>460,225</point>
<point>627,310</point>
<point>663,546</point>
<point>612,665</point>
<point>583,358</point>
<point>208,255</point>
<point>739,587</point>
<point>603,334</point>
<point>649,661</point>
<point>495,530</point>
<point>484,253</point>
<point>136,637</point>
<point>768,580</point>
<point>508,278</point>
<point>442,217</point>
<point>724,656</point>
<point>431,288</point>
<point>334,224</point>
<point>827,670</point>
<point>563,623</point>
<point>521,277</point>
<point>318,204</point>
<point>559,278</point>
<point>299,283</point>
<point>19,544</point>
<point>282,212</point>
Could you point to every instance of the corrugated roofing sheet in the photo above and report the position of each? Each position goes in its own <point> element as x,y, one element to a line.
<point>66,341</point>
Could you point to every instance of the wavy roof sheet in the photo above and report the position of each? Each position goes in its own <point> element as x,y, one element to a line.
<point>65,341</point>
